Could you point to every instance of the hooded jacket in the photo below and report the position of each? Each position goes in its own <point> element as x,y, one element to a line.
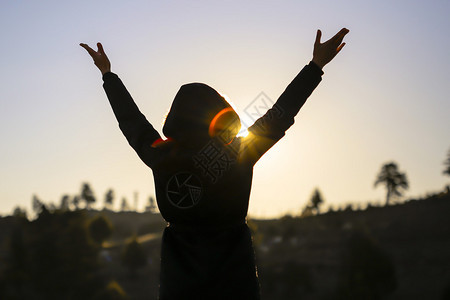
<point>193,110</point>
<point>203,175</point>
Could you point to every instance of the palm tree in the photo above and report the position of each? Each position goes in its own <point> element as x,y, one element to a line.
<point>391,177</point>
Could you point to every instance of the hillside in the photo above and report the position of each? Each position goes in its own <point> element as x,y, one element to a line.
<point>415,236</point>
<point>395,252</point>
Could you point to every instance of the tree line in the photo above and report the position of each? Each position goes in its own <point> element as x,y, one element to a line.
<point>58,255</point>
<point>85,200</point>
<point>394,180</point>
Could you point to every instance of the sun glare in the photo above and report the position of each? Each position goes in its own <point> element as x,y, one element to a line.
<point>243,132</point>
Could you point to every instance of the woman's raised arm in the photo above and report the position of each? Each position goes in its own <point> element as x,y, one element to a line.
<point>139,133</point>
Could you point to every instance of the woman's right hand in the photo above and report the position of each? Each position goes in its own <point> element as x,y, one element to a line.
<point>324,52</point>
<point>100,59</point>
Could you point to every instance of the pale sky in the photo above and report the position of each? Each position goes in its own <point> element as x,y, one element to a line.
<point>384,97</point>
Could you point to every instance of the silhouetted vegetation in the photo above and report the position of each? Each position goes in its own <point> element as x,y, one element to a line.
<point>151,207</point>
<point>316,200</point>
<point>76,201</point>
<point>52,257</point>
<point>100,229</point>
<point>36,205</point>
<point>109,199</point>
<point>134,257</point>
<point>19,212</point>
<point>124,206</point>
<point>87,194</point>
<point>447,164</point>
<point>393,252</point>
<point>65,203</point>
<point>313,206</point>
<point>393,179</point>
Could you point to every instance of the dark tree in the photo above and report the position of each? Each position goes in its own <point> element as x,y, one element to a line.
<point>307,211</point>
<point>53,257</point>
<point>16,268</point>
<point>124,206</point>
<point>151,207</point>
<point>109,199</point>
<point>76,202</point>
<point>36,205</point>
<point>316,200</point>
<point>65,201</point>
<point>100,229</point>
<point>20,213</point>
<point>393,179</point>
<point>65,260</point>
<point>135,206</point>
<point>87,194</point>
<point>447,164</point>
<point>314,204</point>
<point>348,207</point>
<point>134,256</point>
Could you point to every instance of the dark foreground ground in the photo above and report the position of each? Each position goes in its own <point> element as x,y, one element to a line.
<point>395,252</point>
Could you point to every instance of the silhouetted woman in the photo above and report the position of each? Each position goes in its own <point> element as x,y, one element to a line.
<point>203,176</point>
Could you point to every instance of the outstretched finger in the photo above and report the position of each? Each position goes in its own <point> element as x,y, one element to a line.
<point>88,49</point>
<point>340,35</point>
<point>318,36</point>
<point>340,48</point>
<point>100,48</point>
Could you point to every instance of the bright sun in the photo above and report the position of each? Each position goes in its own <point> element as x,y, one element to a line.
<point>243,132</point>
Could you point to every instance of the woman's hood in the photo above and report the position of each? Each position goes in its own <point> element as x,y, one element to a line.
<point>198,113</point>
